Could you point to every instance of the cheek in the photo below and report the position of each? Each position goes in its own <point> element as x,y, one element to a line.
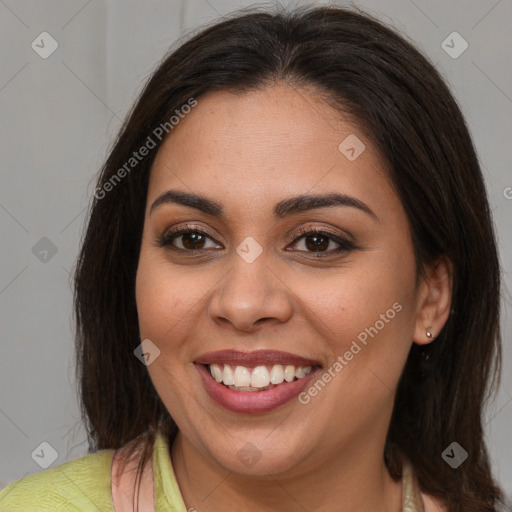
<point>165,306</point>
<point>164,300</point>
<point>366,317</point>
<point>358,304</point>
<point>157,306</point>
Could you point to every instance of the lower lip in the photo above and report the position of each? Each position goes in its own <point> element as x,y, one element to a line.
<point>251,402</point>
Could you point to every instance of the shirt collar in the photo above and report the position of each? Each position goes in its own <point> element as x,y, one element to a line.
<point>167,493</point>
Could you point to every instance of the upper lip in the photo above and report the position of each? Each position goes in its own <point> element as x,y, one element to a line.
<point>255,358</point>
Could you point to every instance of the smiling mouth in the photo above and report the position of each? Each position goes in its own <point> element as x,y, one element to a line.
<point>257,378</point>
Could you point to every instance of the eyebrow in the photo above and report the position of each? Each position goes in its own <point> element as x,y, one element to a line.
<point>282,209</point>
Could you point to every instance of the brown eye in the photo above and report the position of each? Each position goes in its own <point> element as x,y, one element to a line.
<point>187,239</point>
<point>315,241</point>
<point>193,240</point>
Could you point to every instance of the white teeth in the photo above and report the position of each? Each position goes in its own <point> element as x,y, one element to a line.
<point>216,372</point>
<point>276,374</point>
<point>289,373</point>
<point>302,371</point>
<point>228,377</point>
<point>242,377</point>
<point>260,377</point>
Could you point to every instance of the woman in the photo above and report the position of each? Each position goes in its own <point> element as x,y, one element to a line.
<point>287,296</point>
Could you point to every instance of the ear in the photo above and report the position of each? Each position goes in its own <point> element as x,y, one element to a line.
<point>434,301</point>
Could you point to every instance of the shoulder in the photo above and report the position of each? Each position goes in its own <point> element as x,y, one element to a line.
<point>78,485</point>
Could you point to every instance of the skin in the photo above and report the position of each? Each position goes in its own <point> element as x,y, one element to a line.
<point>247,152</point>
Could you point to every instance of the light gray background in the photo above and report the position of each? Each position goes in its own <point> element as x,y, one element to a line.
<point>58,117</point>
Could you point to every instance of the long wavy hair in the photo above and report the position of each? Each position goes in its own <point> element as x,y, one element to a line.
<point>375,75</point>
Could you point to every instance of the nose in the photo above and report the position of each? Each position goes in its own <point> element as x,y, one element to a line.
<point>250,295</point>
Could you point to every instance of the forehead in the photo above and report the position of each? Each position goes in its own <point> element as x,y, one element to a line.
<point>264,144</point>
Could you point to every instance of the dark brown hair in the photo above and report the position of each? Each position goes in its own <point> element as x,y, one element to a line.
<point>373,74</point>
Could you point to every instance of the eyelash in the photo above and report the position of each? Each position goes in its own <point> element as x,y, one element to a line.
<point>165,240</point>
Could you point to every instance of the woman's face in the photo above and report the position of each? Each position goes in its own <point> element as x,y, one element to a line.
<point>247,288</point>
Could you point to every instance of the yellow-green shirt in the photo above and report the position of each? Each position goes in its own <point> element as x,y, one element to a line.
<point>84,484</point>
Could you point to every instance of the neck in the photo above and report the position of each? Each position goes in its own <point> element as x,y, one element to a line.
<point>355,480</point>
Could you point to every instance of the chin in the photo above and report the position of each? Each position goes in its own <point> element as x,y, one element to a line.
<point>257,455</point>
